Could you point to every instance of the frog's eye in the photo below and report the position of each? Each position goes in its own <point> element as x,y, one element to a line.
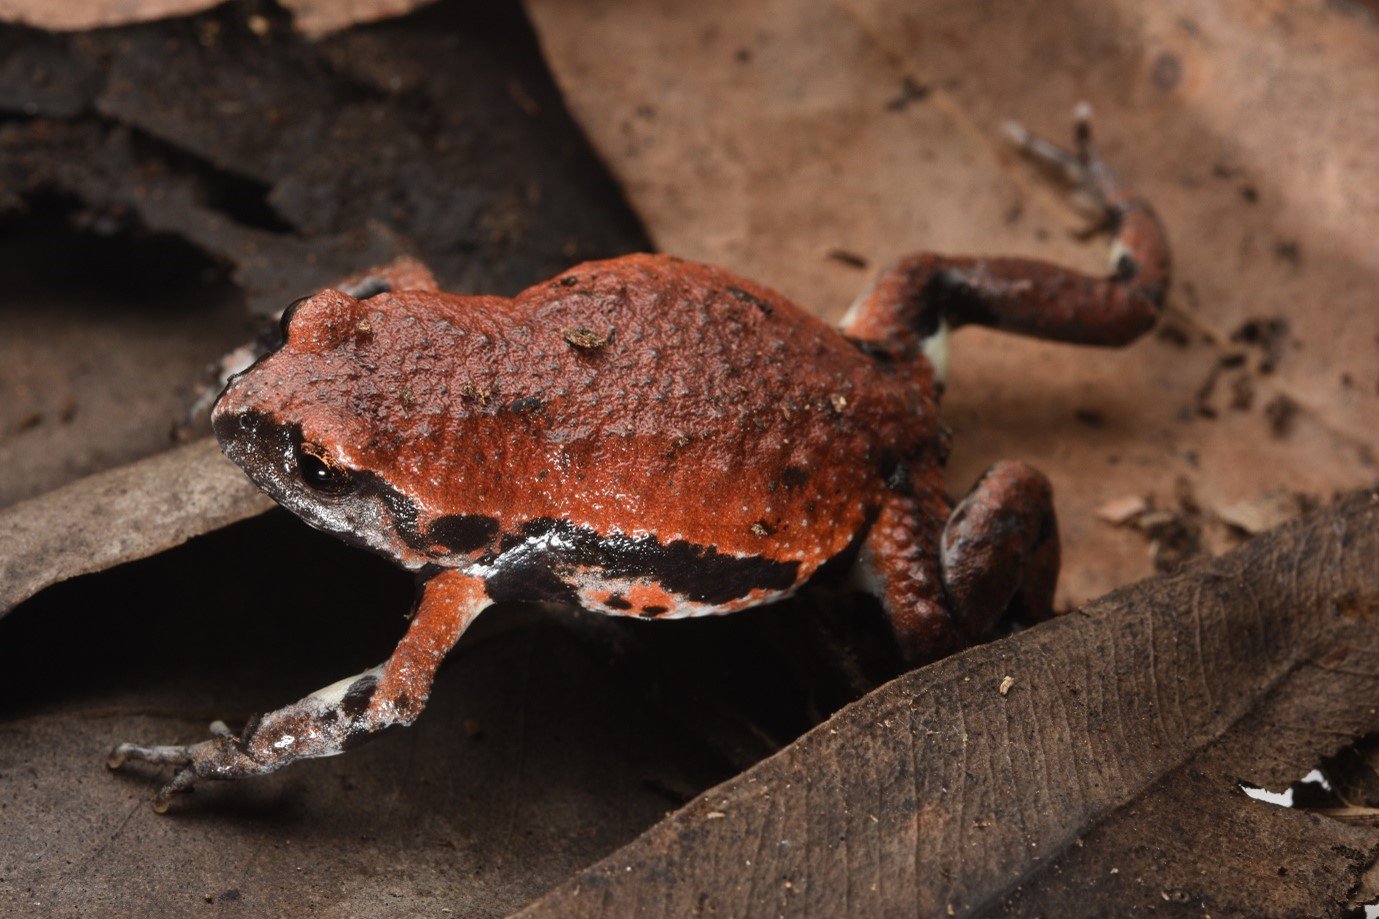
<point>288,312</point>
<point>320,474</point>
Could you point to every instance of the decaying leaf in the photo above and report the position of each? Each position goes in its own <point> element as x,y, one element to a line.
<point>575,756</point>
<point>1263,513</point>
<point>313,17</point>
<point>295,162</point>
<point>1121,511</point>
<point>1108,783</point>
<point>120,515</point>
<point>807,144</point>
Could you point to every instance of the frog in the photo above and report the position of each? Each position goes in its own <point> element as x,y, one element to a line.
<point>652,437</point>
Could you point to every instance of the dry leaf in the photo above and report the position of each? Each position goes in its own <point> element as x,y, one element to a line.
<point>115,517</point>
<point>1263,513</point>
<point>1096,790</point>
<point>1120,511</point>
<point>312,17</point>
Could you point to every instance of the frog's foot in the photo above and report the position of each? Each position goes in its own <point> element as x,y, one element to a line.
<point>334,719</point>
<point>1000,551</point>
<point>219,757</point>
<point>1097,187</point>
<point>915,302</point>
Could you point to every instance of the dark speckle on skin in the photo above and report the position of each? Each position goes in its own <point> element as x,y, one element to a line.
<point>746,297</point>
<point>525,404</point>
<point>357,697</point>
<point>617,601</point>
<point>652,612</point>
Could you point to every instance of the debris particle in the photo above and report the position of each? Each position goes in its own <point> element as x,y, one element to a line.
<point>1281,412</point>
<point>259,25</point>
<point>481,394</point>
<point>910,91</point>
<point>1172,333</point>
<point>1006,683</point>
<point>1175,538</point>
<point>584,339</point>
<point>1121,511</point>
<point>1167,72</point>
<point>839,402</point>
<point>1242,393</point>
<point>1090,417</point>
<point>1264,512</point>
<point>715,815</point>
<point>851,259</point>
<point>1201,399</point>
<point>1288,251</point>
<point>1268,335</point>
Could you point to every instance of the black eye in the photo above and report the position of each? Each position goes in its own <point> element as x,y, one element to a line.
<point>288,312</point>
<point>320,475</point>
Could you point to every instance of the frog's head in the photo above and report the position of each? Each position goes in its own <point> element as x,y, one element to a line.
<point>321,425</point>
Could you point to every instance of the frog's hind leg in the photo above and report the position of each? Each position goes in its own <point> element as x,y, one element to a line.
<point>944,586</point>
<point>334,719</point>
<point>916,302</point>
<point>899,565</point>
<point>1000,551</point>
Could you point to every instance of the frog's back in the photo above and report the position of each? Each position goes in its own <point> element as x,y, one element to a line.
<point>652,397</point>
<point>691,349</point>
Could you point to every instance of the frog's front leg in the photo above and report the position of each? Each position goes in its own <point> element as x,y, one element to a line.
<point>334,719</point>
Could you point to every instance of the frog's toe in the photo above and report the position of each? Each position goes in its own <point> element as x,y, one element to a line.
<point>193,761</point>
<point>1081,167</point>
<point>162,755</point>
<point>182,782</point>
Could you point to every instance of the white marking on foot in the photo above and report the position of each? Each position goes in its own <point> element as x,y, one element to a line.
<point>935,348</point>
